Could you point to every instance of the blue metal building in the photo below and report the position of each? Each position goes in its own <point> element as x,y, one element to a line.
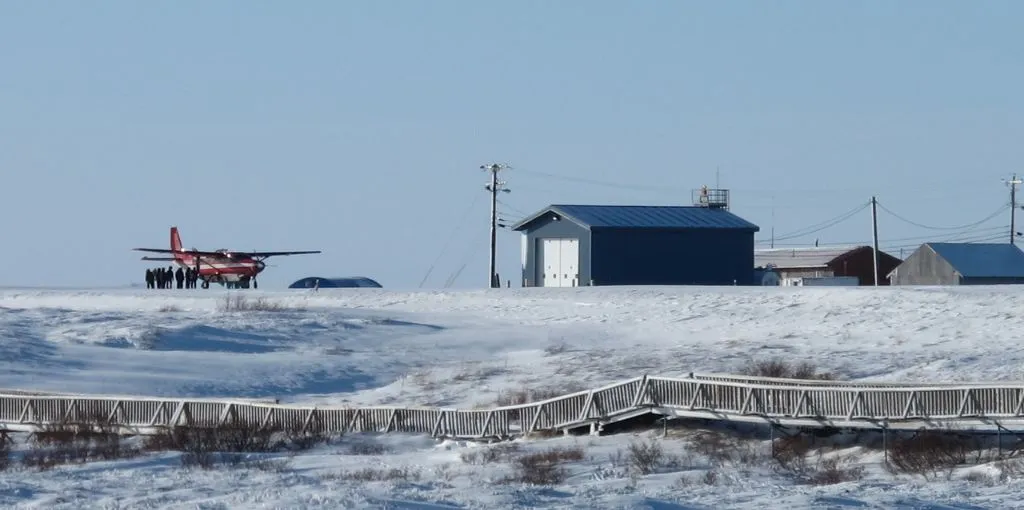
<point>577,245</point>
<point>961,264</point>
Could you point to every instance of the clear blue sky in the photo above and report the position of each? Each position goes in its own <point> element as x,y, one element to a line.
<point>358,128</point>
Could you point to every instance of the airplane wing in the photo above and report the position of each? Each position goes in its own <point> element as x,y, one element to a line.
<point>265,254</point>
<point>257,254</point>
<point>189,252</point>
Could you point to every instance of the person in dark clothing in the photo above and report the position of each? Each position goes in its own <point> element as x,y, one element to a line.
<point>150,281</point>
<point>169,275</point>
<point>179,275</point>
<point>158,277</point>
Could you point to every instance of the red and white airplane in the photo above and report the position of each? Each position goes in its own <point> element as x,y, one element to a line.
<point>231,268</point>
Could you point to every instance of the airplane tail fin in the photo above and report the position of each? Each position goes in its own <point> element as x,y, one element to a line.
<point>175,239</point>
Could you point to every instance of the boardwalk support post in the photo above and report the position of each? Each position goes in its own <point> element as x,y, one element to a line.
<point>885,441</point>
<point>999,441</point>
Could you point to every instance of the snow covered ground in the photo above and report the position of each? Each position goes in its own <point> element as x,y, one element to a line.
<point>466,348</point>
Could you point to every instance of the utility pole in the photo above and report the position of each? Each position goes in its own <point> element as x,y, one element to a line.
<point>874,235</point>
<point>1012,183</point>
<point>494,186</point>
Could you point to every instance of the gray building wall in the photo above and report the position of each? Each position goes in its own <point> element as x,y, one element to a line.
<point>925,267</point>
<point>671,257</point>
<point>548,228</point>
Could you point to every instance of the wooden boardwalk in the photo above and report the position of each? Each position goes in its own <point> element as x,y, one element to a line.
<point>799,403</point>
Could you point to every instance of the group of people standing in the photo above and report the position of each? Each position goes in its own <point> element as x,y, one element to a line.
<point>165,278</point>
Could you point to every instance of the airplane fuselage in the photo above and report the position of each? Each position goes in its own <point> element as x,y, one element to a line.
<point>222,269</point>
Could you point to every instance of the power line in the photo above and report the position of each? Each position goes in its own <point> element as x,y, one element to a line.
<point>514,209</point>
<point>999,211</point>
<point>943,188</point>
<point>597,182</point>
<point>899,241</point>
<point>890,241</point>
<point>959,238</point>
<point>451,236</point>
<point>818,227</point>
<point>505,222</point>
<point>470,253</point>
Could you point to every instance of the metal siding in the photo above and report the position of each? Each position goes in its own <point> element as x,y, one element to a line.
<point>925,267</point>
<point>658,217</point>
<point>672,257</point>
<point>547,228</point>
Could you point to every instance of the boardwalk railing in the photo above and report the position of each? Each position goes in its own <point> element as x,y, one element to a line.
<point>819,404</point>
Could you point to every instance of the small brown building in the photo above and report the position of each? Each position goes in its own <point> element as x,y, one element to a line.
<point>856,261</point>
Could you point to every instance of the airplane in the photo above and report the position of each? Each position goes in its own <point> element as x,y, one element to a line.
<point>233,269</point>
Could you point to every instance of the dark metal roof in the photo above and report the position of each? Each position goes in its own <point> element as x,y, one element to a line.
<point>344,281</point>
<point>645,216</point>
<point>982,260</point>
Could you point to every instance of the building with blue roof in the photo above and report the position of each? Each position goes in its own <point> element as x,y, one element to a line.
<point>577,245</point>
<point>319,282</point>
<point>961,264</point>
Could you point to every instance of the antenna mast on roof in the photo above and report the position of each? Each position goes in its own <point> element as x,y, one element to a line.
<point>494,187</point>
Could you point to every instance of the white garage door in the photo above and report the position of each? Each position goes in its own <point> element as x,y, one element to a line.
<point>559,259</point>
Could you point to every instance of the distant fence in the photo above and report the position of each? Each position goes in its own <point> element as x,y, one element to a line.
<point>819,404</point>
